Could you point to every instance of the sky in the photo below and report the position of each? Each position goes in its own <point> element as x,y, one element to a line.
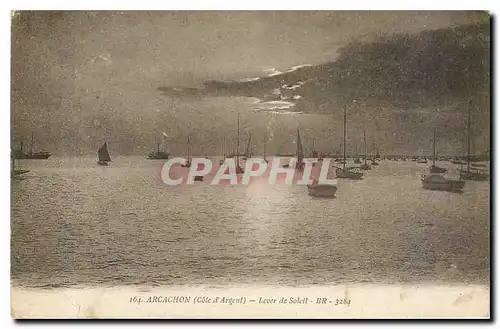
<point>82,78</point>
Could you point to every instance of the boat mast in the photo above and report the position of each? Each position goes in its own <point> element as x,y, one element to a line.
<point>224,146</point>
<point>189,148</point>
<point>238,144</point>
<point>434,149</point>
<point>345,128</point>
<point>265,139</point>
<point>364,138</point>
<point>468,140</point>
<point>297,149</point>
<point>32,142</point>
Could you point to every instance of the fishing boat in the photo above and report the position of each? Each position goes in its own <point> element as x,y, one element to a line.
<point>439,183</point>
<point>314,153</point>
<point>377,156</point>
<point>221,162</point>
<point>187,164</point>
<point>473,171</point>
<point>300,153</point>
<point>41,155</point>
<point>435,169</point>
<point>264,149</point>
<point>357,159</point>
<point>239,170</point>
<point>103,155</point>
<point>458,161</point>
<point>476,172</point>
<point>160,154</point>
<point>321,190</point>
<point>344,172</point>
<point>365,166</point>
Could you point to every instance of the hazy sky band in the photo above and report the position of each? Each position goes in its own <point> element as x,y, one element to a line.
<point>80,78</point>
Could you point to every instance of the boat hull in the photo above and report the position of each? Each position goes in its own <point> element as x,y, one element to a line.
<point>452,186</point>
<point>158,156</point>
<point>349,174</point>
<point>439,183</point>
<point>18,172</point>
<point>322,191</point>
<point>437,170</point>
<point>36,156</point>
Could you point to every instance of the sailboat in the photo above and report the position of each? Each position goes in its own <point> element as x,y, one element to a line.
<point>160,154</point>
<point>239,170</point>
<point>248,150</point>
<point>188,162</point>
<point>13,171</point>
<point>314,153</point>
<point>439,183</point>
<point>347,172</point>
<point>223,151</point>
<point>103,155</point>
<point>300,152</point>
<point>31,154</point>
<point>365,166</point>
<point>474,171</point>
<point>435,169</point>
<point>374,162</point>
<point>264,149</point>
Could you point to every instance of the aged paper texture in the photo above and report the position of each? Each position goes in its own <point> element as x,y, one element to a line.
<point>257,164</point>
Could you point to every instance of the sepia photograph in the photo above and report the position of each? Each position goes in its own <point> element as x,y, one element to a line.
<point>250,164</point>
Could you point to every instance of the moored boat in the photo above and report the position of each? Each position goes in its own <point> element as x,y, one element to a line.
<point>187,164</point>
<point>160,154</point>
<point>103,155</point>
<point>41,155</point>
<point>322,190</point>
<point>435,169</point>
<point>439,183</point>
<point>350,173</point>
<point>345,172</point>
<point>474,171</point>
<point>365,165</point>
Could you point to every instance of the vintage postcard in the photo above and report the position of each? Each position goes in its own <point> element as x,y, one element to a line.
<point>250,164</point>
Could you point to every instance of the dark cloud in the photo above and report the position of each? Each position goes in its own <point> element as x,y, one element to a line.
<point>70,69</point>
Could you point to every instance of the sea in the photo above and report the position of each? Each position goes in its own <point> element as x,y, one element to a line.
<point>76,224</point>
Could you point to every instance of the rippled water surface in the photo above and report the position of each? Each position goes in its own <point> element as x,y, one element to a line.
<point>78,224</point>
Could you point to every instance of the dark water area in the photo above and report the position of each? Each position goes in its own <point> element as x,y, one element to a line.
<point>78,224</point>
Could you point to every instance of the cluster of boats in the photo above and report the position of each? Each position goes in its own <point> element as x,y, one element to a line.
<point>434,180</point>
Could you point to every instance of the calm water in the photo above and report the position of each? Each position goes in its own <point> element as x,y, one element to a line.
<point>78,224</point>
